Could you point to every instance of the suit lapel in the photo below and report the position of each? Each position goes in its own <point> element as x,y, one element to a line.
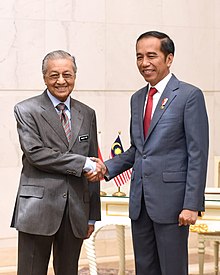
<point>168,94</point>
<point>51,117</point>
<point>140,106</point>
<point>76,122</point>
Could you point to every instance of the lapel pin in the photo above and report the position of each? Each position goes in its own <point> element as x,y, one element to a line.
<point>164,101</point>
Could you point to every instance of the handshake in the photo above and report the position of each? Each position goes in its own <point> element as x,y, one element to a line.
<point>98,173</point>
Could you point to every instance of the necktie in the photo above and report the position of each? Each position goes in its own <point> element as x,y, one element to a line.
<point>64,119</point>
<point>148,110</point>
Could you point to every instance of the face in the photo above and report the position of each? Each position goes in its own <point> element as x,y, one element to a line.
<point>151,61</point>
<point>60,78</point>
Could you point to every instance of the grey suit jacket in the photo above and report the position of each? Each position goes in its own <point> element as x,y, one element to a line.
<point>170,164</point>
<point>52,168</point>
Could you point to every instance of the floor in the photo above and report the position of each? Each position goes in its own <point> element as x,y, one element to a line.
<point>8,259</point>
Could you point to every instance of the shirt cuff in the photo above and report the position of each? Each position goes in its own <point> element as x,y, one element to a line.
<point>89,165</point>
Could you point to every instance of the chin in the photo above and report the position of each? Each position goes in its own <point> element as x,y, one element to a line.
<point>61,98</point>
<point>147,79</point>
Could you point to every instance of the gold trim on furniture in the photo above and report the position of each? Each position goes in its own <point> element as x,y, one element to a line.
<point>113,209</point>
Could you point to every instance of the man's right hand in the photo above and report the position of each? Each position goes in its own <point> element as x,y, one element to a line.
<point>99,173</point>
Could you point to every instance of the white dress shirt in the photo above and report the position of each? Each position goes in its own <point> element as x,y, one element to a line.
<point>89,164</point>
<point>160,86</point>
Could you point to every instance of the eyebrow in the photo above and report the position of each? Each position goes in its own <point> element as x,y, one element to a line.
<point>148,53</point>
<point>151,53</point>
<point>56,72</point>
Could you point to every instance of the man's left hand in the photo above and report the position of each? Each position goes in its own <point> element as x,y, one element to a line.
<point>188,217</point>
<point>91,228</point>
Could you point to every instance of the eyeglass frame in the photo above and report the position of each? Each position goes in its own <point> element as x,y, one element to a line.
<point>55,76</point>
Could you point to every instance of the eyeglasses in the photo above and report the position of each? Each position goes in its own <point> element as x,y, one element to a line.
<point>56,76</point>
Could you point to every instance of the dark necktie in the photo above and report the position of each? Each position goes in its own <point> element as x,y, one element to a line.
<point>148,110</point>
<point>64,119</point>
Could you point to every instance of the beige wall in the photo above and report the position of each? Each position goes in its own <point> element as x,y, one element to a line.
<point>101,34</point>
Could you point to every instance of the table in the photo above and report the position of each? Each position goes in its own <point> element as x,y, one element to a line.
<point>208,227</point>
<point>209,236</point>
<point>114,211</point>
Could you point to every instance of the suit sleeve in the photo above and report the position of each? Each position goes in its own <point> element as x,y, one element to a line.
<point>94,187</point>
<point>43,157</point>
<point>197,140</point>
<point>120,163</point>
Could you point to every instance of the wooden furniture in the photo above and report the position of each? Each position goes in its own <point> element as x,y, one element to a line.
<point>114,212</point>
<point>209,236</point>
<point>208,228</point>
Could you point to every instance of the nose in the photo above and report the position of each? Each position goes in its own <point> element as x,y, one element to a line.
<point>146,61</point>
<point>61,79</point>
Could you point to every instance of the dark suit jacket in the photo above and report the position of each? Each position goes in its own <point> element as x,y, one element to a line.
<point>52,168</point>
<point>170,164</point>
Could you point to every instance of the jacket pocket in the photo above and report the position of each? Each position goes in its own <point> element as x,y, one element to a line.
<point>32,191</point>
<point>174,176</point>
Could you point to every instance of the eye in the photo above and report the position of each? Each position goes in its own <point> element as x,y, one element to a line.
<point>139,57</point>
<point>67,75</point>
<point>54,76</point>
<point>152,56</point>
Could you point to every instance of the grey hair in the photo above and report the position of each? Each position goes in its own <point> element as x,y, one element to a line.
<point>57,55</point>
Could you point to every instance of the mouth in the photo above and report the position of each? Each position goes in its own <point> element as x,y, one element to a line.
<point>147,71</point>
<point>61,88</point>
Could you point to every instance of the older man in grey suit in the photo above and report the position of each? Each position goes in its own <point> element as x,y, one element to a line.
<point>169,159</point>
<point>56,205</point>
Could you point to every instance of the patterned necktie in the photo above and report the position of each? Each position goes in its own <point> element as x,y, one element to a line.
<point>148,110</point>
<point>64,119</point>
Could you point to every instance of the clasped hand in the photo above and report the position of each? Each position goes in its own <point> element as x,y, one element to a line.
<point>99,173</point>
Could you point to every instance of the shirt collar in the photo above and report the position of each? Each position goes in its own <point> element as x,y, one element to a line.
<point>160,86</point>
<point>56,101</point>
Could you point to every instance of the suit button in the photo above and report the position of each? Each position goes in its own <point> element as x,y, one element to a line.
<point>144,156</point>
<point>64,195</point>
<point>70,172</point>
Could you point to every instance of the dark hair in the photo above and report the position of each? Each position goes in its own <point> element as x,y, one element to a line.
<point>56,55</point>
<point>167,45</point>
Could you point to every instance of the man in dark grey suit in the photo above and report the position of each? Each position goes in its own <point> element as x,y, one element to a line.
<point>169,163</point>
<point>56,205</point>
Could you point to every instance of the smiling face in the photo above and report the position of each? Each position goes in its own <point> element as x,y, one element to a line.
<point>151,61</point>
<point>60,77</point>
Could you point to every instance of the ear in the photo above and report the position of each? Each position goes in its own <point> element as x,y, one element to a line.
<point>169,60</point>
<point>44,80</point>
